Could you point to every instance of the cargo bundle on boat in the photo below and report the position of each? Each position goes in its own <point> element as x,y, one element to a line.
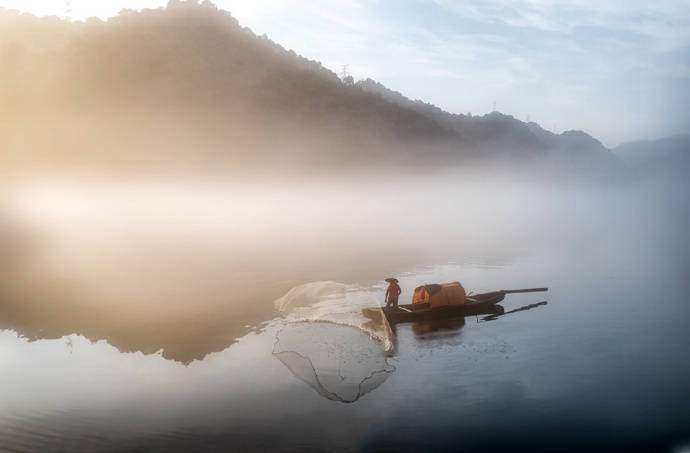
<point>440,295</point>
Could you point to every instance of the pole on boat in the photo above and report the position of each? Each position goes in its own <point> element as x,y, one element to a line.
<point>528,290</point>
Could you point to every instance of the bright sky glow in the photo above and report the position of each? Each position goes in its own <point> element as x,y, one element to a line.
<point>618,69</point>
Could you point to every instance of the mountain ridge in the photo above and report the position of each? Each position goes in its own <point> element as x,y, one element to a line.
<point>143,88</point>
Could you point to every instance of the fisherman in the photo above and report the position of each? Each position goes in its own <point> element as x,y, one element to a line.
<point>392,293</point>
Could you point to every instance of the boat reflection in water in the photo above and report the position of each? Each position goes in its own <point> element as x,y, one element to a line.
<point>438,328</point>
<point>445,328</point>
<point>494,316</point>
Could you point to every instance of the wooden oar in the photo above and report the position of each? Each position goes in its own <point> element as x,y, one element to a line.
<point>528,290</point>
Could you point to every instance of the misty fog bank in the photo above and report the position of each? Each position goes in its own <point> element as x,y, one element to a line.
<point>189,269</point>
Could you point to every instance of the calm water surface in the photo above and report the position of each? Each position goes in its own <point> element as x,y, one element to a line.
<point>604,365</point>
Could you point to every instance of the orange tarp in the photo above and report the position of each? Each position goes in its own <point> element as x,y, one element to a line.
<point>421,295</point>
<point>440,295</point>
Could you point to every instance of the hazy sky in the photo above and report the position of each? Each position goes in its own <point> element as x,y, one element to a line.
<point>618,69</point>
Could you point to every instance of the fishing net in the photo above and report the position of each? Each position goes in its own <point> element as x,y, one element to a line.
<point>327,342</point>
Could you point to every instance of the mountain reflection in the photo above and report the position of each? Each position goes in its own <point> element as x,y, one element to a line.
<point>188,271</point>
<point>187,288</point>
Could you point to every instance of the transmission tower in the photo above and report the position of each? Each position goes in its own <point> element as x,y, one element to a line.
<point>68,9</point>
<point>343,72</point>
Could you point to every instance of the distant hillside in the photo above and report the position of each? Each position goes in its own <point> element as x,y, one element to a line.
<point>666,157</point>
<point>186,88</point>
<point>503,135</point>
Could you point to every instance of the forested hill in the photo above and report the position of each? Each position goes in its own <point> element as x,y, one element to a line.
<point>187,89</point>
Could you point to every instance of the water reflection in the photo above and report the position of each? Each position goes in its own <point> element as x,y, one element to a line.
<point>447,327</point>
<point>424,330</point>
<point>439,332</point>
<point>495,316</point>
<point>151,288</point>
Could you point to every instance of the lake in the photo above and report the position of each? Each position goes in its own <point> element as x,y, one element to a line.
<point>128,326</point>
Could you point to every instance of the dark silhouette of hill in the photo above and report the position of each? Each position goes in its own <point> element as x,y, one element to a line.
<point>186,88</point>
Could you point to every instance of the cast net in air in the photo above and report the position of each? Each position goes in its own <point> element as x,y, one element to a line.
<point>328,342</point>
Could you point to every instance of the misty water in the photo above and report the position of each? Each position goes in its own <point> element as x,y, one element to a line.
<point>224,318</point>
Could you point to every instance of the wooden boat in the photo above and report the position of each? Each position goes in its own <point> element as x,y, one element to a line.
<point>477,304</point>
